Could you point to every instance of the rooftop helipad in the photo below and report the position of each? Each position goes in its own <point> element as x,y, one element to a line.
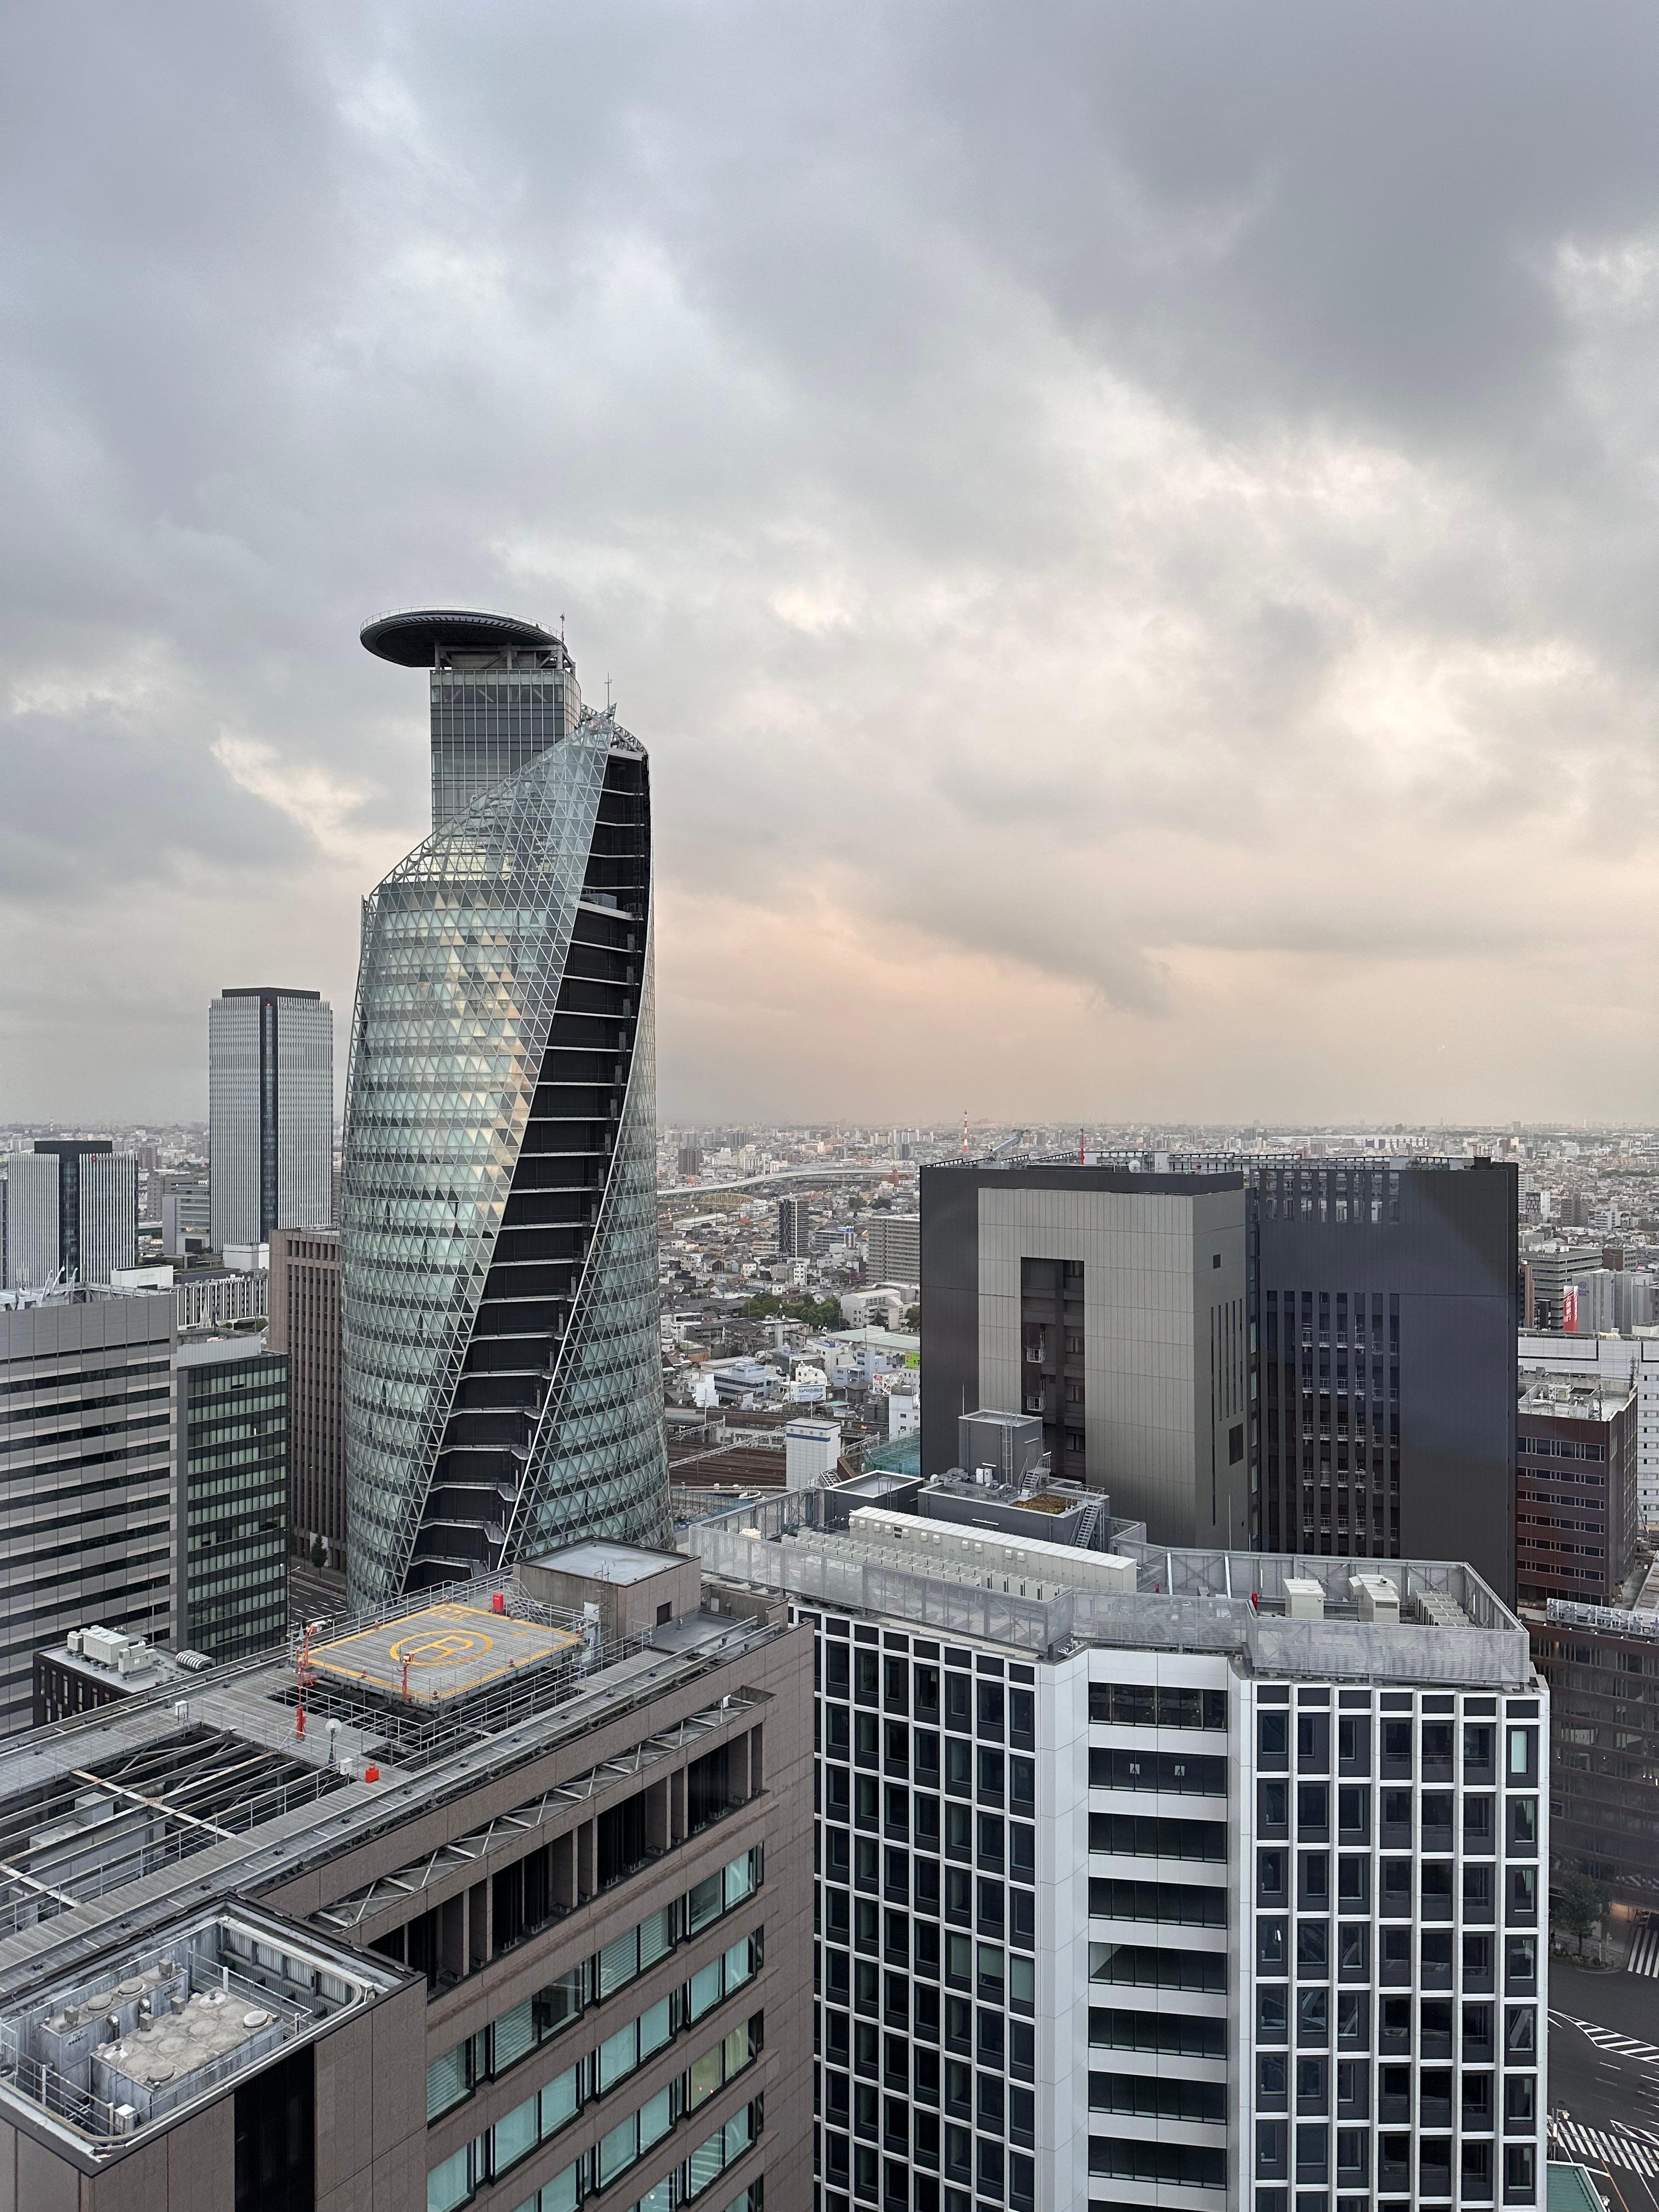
<point>443,1651</point>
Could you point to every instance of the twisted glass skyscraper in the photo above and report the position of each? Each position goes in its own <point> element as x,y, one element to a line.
<point>498,1197</point>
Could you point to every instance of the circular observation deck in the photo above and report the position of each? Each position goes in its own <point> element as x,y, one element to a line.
<point>418,637</point>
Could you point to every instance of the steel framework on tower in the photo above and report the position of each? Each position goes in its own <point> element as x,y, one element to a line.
<point>498,1229</point>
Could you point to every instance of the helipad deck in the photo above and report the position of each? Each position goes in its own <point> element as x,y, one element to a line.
<point>442,1651</point>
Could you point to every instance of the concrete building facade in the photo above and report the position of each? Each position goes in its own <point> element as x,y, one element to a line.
<point>795,1228</point>
<point>894,1247</point>
<point>88,1418</point>
<point>1633,1358</point>
<point>1113,1305</point>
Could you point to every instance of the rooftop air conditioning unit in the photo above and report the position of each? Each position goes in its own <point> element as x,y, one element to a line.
<point>1375,1597</point>
<point>103,1646</point>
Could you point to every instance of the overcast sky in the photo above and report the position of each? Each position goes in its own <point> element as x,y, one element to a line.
<point>1129,529</point>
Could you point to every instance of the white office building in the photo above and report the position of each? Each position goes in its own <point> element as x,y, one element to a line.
<point>1177,1879</point>
<point>89,1391</point>
<point>72,1210</point>
<point>108,1211</point>
<point>271,1114</point>
<point>31,1245</point>
<point>893,1247</point>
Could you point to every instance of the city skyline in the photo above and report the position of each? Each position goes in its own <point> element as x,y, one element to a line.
<point>1185,615</point>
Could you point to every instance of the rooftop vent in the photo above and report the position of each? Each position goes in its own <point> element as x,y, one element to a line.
<point>1304,1599</point>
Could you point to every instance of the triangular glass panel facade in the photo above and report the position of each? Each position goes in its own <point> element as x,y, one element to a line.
<point>498,1204</point>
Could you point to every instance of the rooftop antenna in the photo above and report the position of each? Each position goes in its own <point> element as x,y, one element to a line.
<point>607,691</point>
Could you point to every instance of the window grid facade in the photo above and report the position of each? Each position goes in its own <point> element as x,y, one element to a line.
<point>1330,1400</point>
<point>927,1931</point>
<point>1576,1512</point>
<point>305,1323</point>
<point>234,1452</point>
<point>1394,1983</point>
<point>1304,1971</point>
<point>88,1400</point>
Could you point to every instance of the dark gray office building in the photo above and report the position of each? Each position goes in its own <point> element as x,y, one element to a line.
<point>1386,1303</point>
<point>232,1497</point>
<point>1374,1301</point>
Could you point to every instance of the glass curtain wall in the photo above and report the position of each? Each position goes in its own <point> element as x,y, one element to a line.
<point>498,1232</point>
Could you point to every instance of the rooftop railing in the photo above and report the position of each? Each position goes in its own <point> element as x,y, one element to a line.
<point>1187,1601</point>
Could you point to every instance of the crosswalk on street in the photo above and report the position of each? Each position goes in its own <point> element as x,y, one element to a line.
<point>1609,2038</point>
<point>1607,2147</point>
<point>1644,1958</point>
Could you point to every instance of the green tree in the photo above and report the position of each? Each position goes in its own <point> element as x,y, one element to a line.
<point>1583,1902</point>
<point>762,1306</point>
<point>913,1319</point>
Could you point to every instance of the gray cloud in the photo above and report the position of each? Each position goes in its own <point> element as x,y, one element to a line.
<point>1130,532</point>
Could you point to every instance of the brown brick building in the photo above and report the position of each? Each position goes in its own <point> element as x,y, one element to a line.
<point>1575,1517</point>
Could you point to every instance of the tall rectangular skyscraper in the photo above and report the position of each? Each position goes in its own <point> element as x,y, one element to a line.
<point>232,1508</point>
<point>270,1112</point>
<point>72,1208</point>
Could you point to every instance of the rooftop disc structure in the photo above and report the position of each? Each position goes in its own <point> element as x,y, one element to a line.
<point>498,1226</point>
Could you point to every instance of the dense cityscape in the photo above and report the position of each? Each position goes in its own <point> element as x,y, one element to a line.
<point>828,1109</point>
<point>1486,1298</point>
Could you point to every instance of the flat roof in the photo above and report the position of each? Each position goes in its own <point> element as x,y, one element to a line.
<point>413,638</point>
<point>1453,1630</point>
<point>603,1560</point>
<point>268,991</point>
<point>1568,1395</point>
<point>203,1351</point>
<point>441,1652</point>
